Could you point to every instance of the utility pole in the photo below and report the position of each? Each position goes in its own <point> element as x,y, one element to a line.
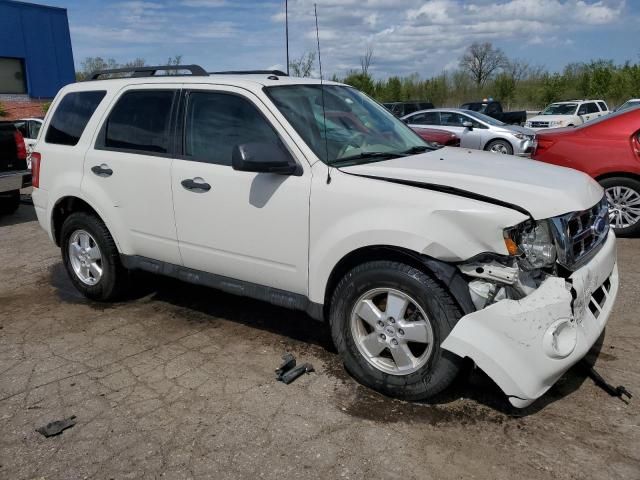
<point>286,29</point>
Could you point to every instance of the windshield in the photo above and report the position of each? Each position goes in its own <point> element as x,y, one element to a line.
<point>485,118</point>
<point>560,109</point>
<point>358,130</point>
<point>629,104</point>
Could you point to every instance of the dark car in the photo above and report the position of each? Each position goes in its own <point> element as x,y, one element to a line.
<point>438,137</point>
<point>14,173</point>
<point>493,109</point>
<point>400,109</point>
<point>607,149</point>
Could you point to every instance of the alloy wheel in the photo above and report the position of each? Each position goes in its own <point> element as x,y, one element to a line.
<point>391,331</point>
<point>85,257</point>
<point>624,206</point>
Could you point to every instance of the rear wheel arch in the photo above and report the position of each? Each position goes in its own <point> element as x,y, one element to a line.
<point>64,207</point>
<point>446,274</point>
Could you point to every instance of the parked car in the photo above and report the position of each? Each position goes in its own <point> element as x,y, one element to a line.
<point>494,110</point>
<point>608,150</point>
<point>438,137</point>
<point>400,109</point>
<point>14,174</point>
<point>476,130</point>
<point>568,114</point>
<point>29,128</point>
<point>417,257</point>
<point>633,102</point>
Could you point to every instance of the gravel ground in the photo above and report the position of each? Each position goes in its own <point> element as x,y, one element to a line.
<point>178,383</point>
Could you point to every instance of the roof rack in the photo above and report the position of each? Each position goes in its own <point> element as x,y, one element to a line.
<point>279,73</point>
<point>196,70</point>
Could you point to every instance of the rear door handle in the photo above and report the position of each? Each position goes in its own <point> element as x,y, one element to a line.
<point>197,185</point>
<point>102,170</point>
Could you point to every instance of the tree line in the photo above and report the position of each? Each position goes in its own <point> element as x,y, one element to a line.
<point>485,71</point>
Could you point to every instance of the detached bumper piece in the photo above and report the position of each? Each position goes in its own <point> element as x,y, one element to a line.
<point>526,345</point>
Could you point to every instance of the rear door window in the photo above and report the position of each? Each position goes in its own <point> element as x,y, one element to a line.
<point>71,117</point>
<point>140,122</point>
<point>451,119</point>
<point>426,118</point>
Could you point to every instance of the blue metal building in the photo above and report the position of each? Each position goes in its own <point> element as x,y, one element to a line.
<point>35,49</point>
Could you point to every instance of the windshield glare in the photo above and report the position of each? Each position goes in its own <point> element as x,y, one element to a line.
<point>485,118</point>
<point>629,104</point>
<point>560,109</point>
<point>355,124</point>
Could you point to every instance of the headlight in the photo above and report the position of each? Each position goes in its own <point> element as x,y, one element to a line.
<point>532,244</point>
<point>520,136</point>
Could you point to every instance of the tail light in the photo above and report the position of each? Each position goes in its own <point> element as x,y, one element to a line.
<point>36,159</point>
<point>21,148</point>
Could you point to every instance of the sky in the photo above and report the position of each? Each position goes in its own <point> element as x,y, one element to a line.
<point>406,36</point>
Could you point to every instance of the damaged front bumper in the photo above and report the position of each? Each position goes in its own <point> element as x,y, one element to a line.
<point>526,345</point>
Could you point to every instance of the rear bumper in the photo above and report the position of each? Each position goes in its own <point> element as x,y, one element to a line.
<point>14,180</point>
<point>526,345</point>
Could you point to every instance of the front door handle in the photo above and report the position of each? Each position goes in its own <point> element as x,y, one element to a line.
<point>102,170</point>
<point>197,185</point>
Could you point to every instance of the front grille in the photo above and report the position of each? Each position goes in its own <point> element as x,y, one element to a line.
<point>539,124</point>
<point>599,298</point>
<point>579,235</point>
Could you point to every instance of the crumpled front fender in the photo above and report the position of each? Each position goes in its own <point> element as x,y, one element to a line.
<point>526,345</point>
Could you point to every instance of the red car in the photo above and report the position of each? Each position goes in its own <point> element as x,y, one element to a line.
<point>440,137</point>
<point>608,149</point>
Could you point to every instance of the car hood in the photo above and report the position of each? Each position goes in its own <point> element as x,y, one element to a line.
<point>543,190</point>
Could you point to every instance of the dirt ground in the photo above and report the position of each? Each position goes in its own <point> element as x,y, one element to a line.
<point>179,383</point>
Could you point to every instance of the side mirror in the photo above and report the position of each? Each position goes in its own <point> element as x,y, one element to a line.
<point>468,125</point>
<point>263,158</point>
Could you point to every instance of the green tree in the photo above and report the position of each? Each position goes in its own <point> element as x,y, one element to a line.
<point>302,66</point>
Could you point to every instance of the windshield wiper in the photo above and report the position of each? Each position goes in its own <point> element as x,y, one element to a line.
<point>418,149</point>
<point>370,156</point>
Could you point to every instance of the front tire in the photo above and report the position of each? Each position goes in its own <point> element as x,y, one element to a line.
<point>387,321</point>
<point>500,146</point>
<point>91,258</point>
<point>623,195</point>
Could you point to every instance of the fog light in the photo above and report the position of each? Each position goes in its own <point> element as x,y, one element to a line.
<point>560,339</point>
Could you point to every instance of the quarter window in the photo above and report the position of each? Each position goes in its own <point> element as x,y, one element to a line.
<point>71,117</point>
<point>603,106</point>
<point>140,122</point>
<point>217,122</point>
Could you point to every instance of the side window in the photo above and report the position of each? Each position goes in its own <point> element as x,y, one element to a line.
<point>71,117</point>
<point>583,109</point>
<point>34,129</point>
<point>427,118</point>
<point>216,122</point>
<point>603,106</point>
<point>140,122</point>
<point>592,108</point>
<point>451,119</point>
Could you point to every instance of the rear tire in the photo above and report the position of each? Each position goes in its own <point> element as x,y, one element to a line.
<point>500,146</point>
<point>623,194</point>
<point>411,369</point>
<point>91,258</point>
<point>9,202</point>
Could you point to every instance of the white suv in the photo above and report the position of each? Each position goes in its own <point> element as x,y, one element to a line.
<point>568,114</point>
<point>314,197</point>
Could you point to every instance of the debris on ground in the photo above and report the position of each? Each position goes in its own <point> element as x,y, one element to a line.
<point>620,391</point>
<point>288,371</point>
<point>57,426</point>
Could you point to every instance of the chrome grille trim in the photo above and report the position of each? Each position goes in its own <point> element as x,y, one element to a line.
<point>539,124</point>
<point>579,235</point>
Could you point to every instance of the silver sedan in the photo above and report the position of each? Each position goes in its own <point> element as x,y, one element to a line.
<point>476,130</point>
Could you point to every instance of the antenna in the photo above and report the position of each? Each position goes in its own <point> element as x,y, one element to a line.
<point>324,113</point>
<point>286,30</point>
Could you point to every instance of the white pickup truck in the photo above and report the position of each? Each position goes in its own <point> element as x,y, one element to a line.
<point>314,197</point>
